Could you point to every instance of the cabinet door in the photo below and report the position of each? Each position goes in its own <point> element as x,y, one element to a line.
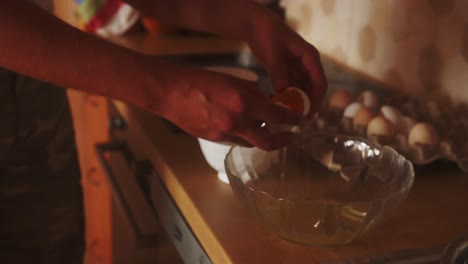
<point>91,126</point>
<point>137,235</point>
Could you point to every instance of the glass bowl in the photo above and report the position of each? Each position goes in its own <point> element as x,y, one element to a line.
<point>322,189</point>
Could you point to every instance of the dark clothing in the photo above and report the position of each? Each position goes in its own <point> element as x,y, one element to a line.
<point>41,200</point>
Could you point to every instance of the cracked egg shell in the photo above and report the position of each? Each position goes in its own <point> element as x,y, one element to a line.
<point>380,126</point>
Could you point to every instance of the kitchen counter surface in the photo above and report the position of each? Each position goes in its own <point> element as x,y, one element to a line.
<point>434,213</point>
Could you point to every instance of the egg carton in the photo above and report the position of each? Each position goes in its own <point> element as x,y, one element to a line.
<point>421,130</point>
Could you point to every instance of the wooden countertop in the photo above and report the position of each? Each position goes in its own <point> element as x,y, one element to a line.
<point>434,213</point>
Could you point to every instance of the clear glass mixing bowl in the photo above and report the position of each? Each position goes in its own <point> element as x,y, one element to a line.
<point>322,189</point>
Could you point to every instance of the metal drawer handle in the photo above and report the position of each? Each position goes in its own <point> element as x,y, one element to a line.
<point>115,158</point>
<point>177,233</point>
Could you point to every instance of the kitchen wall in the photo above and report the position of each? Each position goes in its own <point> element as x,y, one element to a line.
<point>416,46</point>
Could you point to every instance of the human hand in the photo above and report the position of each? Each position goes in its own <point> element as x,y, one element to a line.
<point>288,58</point>
<point>220,107</point>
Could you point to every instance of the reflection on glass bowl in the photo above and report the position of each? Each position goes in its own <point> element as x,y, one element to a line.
<point>321,189</point>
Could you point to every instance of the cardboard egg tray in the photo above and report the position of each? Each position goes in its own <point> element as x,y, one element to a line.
<point>450,121</point>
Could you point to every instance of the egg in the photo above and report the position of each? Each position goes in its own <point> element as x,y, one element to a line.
<point>391,113</point>
<point>363,117</point>
<point>369,99</point>
<point>423,133</point>
<point>352,109</point>
<point>294,99</point>
<point>380,126</point>
<point>405,124</point>
<point>340,99</point>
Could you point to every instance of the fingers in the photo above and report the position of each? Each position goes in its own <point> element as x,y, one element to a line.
<point>274,114</point>
<point>277,67</point>
<point>244,108</point>
<point>263,139</point>
<point>268,127</point>
<point>305,72</point>
<point>255,135</point>
<point>226,138</point>
<point>312,63</point>
<point>265,123</point>
<point>254,105</point>
<point>315,83</point>
<point>237,141</point>
<point>252,133</point>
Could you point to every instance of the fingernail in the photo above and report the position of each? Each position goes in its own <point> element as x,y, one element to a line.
<point>295,129</point>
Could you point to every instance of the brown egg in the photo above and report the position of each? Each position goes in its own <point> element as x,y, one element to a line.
<point>363,117</point>
<point>380,126</point>
<point>423,133</point>
<point>369,99</point>
<point>340,99</point>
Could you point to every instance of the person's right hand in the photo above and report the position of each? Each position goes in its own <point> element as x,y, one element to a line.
<point>219,107</point>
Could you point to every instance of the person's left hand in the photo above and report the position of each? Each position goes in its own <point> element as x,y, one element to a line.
<point>288,58</point>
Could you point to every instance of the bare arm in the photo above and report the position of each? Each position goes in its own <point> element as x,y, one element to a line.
<point>289,59</point>
<point>232,18</point>
<point>39,45</point>
<point>205,104</point>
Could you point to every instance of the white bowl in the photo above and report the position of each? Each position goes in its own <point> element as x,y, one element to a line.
<point>214,154</point>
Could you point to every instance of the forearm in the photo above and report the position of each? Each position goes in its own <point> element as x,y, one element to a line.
<point>37,44</point>
<point>234,18</point>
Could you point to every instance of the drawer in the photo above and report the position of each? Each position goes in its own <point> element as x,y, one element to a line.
<point>129,196</point>
<point>175,225</point>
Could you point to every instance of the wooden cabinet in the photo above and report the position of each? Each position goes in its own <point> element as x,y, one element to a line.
<point>91,126</point>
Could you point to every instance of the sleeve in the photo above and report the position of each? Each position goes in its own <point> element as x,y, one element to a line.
<point>106,18</point>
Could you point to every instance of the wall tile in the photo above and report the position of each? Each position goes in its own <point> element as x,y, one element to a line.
<point>441,7</point>
<point>464,45</point>
<point>448,36</point>
<point>416,46</point>
<point>367,43</point>
<point>455,78</point>
<point>430,68</point>
<point>328,6</point>
<point>461,7</point>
